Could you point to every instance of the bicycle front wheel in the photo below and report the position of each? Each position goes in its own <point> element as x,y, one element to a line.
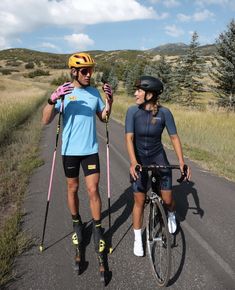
<point>158,242</point>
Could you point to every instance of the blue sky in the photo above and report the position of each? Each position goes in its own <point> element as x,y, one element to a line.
<point>65,26</point>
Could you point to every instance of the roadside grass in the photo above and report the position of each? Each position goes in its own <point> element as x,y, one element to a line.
<point>16,107</point>
<point>207,136</point>
<point>20,131</point>
<point>18,159</point>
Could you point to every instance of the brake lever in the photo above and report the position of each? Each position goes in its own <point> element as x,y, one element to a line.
<point>183,175</point>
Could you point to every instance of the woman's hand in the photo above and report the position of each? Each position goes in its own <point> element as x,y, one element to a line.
<point>188,173</point>
<point>133,172</point>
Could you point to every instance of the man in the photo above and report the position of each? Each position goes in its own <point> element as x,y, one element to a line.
<point>81,103</point>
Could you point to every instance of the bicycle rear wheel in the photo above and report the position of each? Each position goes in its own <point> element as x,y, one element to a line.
<point>158,243</point>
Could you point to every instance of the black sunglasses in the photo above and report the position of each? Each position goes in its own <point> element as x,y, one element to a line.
<point>85,71</point>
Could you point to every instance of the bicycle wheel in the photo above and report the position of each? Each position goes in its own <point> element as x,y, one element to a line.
<point>158,243</point>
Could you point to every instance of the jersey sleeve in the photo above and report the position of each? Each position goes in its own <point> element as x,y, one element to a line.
<point>129,122</point>
<point>170,122</point>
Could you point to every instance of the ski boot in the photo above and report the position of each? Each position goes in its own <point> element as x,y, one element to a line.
<point>77,241</point>
<point>99,244</point>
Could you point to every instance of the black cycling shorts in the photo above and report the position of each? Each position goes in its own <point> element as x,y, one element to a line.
<point>90,165</point>
<point>142,183</point>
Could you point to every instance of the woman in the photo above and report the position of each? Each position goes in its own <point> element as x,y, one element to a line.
<point>144,126</point>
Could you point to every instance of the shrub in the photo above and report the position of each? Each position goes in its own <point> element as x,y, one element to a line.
<point>38,72</point>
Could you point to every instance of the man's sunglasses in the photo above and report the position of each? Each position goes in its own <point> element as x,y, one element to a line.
<point>86,70</point>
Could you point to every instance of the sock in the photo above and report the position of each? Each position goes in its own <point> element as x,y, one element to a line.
<point>138,235</point>
<point>76,218</point>
<point>97,223</point>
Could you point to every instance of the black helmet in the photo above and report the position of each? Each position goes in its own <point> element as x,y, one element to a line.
<point>148,83</point>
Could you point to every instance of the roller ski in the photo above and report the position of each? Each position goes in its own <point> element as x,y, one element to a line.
<point>99,244</point>
<point>77,242</point>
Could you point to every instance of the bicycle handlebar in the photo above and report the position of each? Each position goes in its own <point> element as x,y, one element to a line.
<point>153,167</point>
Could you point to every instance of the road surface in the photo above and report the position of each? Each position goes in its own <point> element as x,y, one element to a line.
<point>204,256</point>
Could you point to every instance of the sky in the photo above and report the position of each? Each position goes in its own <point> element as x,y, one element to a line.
<point>67,26</point>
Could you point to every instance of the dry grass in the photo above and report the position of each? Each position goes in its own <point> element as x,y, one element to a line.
<point>18,101</point>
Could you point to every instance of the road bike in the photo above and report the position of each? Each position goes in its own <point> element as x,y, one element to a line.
<point>158,238</point>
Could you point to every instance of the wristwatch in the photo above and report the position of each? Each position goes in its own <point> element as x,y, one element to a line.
<point>49,101</point>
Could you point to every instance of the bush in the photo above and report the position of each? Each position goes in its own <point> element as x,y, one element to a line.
<point>29,65</point>
<point>63,78</point>
<point>38,72</point>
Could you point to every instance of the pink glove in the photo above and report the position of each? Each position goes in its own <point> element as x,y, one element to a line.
<point>65,89</point>
<point>108,90</point>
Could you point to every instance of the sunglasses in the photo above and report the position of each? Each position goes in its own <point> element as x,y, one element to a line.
<point>85,71</point>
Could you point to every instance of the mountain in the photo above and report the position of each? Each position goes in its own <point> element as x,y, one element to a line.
<point>170,48</point>
<point>14,56</point>
<point>181,48</point>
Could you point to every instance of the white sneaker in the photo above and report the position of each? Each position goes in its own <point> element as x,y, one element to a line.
<point>138,248</point>
<point>172,225</point>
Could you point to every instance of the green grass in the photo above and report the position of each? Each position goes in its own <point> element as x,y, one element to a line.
<point>12,243</point>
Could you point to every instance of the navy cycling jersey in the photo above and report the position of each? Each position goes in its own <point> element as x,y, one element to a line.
<point>147,135</point>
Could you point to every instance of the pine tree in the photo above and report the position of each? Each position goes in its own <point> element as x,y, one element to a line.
<point>165,75</point>
<point>133,73</point>
<point>191,71</point>
<point>113,79</point>
<point>223,71</point>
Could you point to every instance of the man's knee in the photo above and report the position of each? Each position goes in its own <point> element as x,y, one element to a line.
<point>72,186</point>
<point>93,192</point>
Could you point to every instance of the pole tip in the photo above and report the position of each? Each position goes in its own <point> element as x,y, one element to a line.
<point>41,248</point>
<point>110,250</point>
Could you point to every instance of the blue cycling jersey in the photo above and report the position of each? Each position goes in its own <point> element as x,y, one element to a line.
<point>79,121</point>
<point>147,134</point>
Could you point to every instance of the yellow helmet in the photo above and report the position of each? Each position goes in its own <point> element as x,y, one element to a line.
<point>81,59</point>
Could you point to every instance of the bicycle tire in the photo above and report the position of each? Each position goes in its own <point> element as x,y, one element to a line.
<point>158,242</point>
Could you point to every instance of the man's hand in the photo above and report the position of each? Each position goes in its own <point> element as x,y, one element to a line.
<point>108,91</point>
<point>65,89</point>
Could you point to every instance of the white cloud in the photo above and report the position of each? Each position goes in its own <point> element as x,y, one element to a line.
<point>227,4</point>
<point>171,3</point>
<point>197,16</point>
<point>174,31</point>
<point>203,15</point>
<point>3,43</point>
<point>48,45</point>
<point>20,16</point>
<point>211,2</point>
<point>183,17</point>
<point>79,41</point>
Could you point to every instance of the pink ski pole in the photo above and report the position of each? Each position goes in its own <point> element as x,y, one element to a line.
<point>52,174</point>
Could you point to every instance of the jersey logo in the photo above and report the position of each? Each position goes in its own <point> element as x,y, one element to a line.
<point>72,98</point>
<point>92,166</point>
<point>157,118</point>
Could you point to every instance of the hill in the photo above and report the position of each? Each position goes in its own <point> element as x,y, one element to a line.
<point>15,56</point>
<point>181,48</point>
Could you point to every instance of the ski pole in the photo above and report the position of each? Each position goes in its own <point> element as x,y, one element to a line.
<point>51,175</point>
<point>108,163</point>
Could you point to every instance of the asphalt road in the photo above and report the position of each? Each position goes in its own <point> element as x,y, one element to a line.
<point>203,256</point>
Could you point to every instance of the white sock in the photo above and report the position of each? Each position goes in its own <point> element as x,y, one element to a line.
<point>138,235</point>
